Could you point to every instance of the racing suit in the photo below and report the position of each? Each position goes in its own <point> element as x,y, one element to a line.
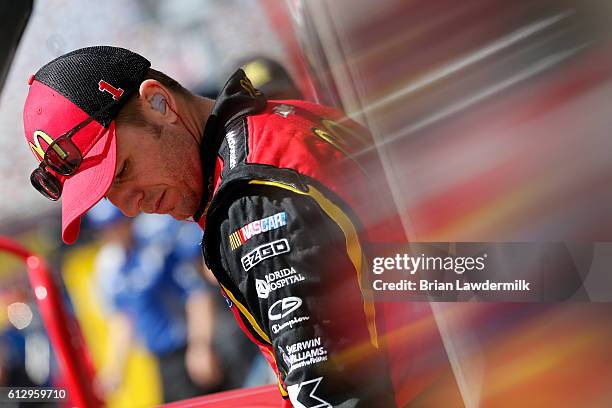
<point>290,206</point>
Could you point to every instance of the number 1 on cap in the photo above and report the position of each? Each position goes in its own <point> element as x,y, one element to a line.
<point>104,86</point>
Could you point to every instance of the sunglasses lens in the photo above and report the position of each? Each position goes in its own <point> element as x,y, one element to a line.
<point>46,184</point>
<point>63,157</point>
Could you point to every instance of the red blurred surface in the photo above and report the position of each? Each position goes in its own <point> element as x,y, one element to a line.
<point>62,328</point>
<point>258,397</point>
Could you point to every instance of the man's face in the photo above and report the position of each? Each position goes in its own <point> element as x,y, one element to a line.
<point>158,171</point>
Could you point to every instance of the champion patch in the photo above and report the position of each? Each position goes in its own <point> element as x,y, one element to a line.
<point>243,234</point>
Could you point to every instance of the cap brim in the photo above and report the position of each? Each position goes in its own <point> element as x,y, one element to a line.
<point>83,190</point>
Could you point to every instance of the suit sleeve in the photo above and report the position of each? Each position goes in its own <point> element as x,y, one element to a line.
<point>296,266</point>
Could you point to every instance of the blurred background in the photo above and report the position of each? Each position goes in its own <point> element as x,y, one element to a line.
<point>492,121</point>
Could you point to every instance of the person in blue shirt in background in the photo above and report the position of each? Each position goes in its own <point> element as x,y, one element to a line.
<point>149,275</point>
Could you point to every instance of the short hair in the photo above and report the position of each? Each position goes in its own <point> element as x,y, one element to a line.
<point>131,113</point>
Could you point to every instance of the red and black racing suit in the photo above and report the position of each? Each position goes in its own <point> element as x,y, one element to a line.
<point>291,206</point>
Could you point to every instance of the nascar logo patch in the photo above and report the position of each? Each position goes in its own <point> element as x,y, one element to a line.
<point>243,234</point>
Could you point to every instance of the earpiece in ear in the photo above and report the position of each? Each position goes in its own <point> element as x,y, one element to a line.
<point>158,102</point>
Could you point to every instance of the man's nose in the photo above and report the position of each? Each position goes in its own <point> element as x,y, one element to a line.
<point>126,200</point>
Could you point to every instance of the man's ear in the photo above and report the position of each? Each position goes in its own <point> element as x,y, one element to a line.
<point>157,101</point>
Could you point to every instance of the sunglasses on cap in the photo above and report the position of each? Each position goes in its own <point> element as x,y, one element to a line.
<point>64,158</point>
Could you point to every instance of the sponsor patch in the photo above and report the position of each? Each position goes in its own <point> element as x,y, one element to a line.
<point>243,234</point>
<point>283,110</point>
<point>284,307</point>
<point>276,280</point>
<point>231,142</point>
<point>302,395</point>
<point>285,357</point>
<point>262,288</point>
<point>305,353</point>
<point>276,328</point>
<point>265,251</point>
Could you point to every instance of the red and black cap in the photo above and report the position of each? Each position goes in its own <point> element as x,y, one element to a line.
<point>88,82</point>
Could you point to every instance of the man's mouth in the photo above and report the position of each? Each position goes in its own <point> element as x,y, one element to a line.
<point>158,203</point>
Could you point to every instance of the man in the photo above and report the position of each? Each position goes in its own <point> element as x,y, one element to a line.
<point>286,190</point>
